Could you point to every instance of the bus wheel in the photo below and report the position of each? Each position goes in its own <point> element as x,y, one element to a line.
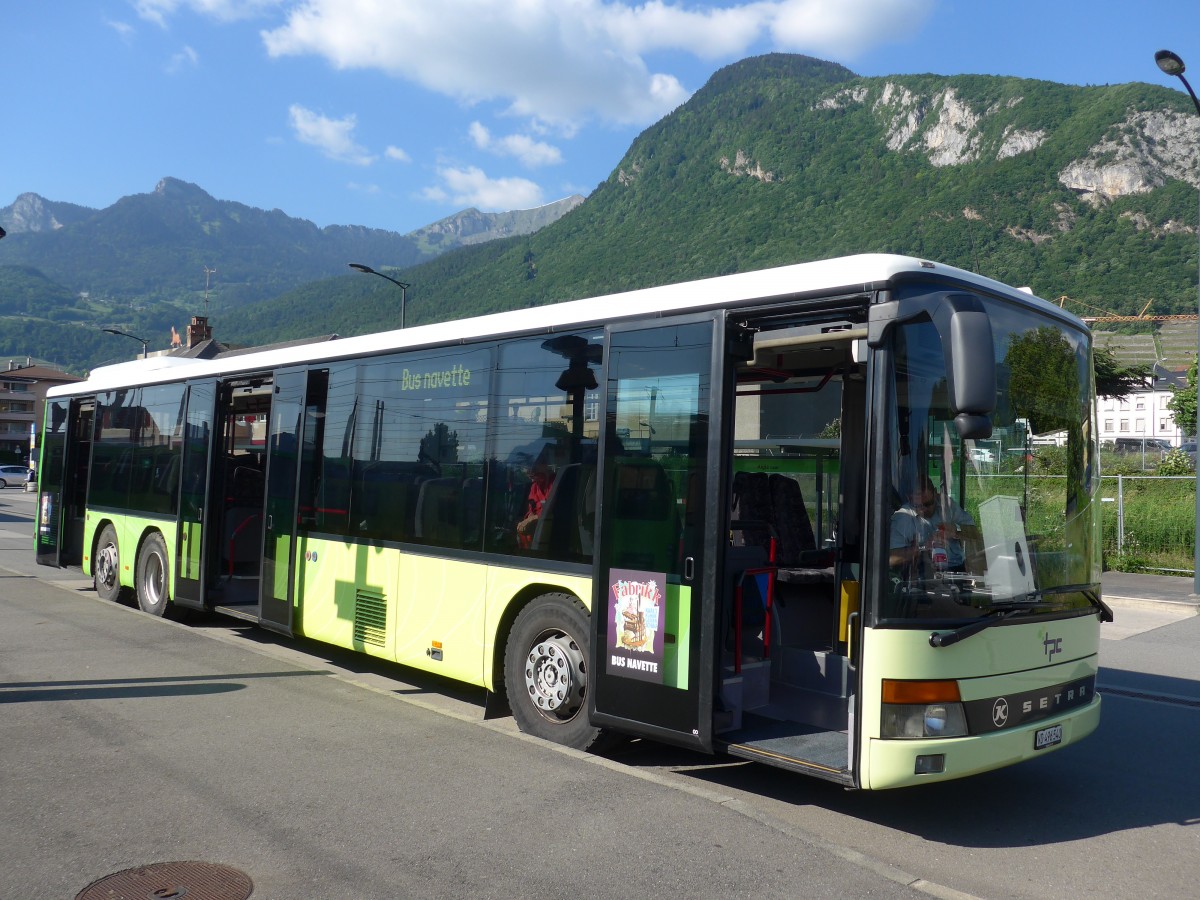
<point>106,565</point>
<point>153,591</point>
<point>545,671</point>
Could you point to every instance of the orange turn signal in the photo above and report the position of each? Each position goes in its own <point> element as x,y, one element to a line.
<point>920,691</point>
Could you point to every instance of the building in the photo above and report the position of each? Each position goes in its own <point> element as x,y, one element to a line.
<point>22,400</point>
<point>1143,413</point>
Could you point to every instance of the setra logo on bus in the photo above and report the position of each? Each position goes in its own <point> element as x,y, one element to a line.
<point>1009,711</point>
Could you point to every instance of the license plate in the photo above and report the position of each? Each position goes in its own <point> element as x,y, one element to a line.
<point>1047,737</point>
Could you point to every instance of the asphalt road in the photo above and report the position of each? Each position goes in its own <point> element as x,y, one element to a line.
<point>127,740</point>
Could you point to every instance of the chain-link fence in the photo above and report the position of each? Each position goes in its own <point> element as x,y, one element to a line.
<point>1149,523</point>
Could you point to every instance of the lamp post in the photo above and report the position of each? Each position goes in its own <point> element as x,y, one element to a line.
<point>403,287</point>
<point>1172,65</point>
<point>128,335</point>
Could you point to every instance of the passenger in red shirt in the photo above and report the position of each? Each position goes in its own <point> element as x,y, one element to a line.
<point>543,478</point>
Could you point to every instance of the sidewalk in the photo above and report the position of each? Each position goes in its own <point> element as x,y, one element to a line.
<point>1155,591</point>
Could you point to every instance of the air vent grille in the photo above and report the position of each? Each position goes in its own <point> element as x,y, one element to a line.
<point>370,618</point>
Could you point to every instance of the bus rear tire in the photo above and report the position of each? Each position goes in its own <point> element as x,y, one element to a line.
<point>153,588</point>
<point>545,671</point>
<point>106,565</point>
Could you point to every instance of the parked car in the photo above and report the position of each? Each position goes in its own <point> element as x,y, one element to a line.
<point>13,475</point>
<point>1147,446</point>
<point>1189,447</point>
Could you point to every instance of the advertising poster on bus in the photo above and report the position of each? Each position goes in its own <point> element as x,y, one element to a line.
<point>635,619</point>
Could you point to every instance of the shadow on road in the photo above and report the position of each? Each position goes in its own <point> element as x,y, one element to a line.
<point>1138,770</point>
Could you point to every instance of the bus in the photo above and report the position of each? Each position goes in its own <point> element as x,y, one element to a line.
<point>683,513</point>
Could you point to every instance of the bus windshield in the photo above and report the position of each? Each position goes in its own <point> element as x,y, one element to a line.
<point>977,525</point>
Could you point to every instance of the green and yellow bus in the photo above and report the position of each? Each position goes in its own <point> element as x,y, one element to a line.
<point>744,514</point>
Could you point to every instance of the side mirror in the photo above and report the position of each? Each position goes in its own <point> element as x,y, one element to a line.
<point>971,369</point>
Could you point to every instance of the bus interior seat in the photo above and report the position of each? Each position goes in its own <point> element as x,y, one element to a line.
<point>244,535</point>
<point>772,506</point>
<point>587,513</point>
<point>472,512</point>
<point>551,511</point>
<point>437,519</point>
<point>247,484</point>
<point>643,513</point>
<point>558,529</point>
<point>386,506</point>
<point>242,545</point>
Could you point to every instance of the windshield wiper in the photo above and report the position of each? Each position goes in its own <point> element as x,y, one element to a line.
<point>998,613</point>
<point>990,618</point>
<point>1093,597</point>
<point>1089,591</point>
<point>1031,602</point>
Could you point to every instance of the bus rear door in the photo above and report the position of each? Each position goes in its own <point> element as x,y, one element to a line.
<point>656,563</point>
<point>62,481</point>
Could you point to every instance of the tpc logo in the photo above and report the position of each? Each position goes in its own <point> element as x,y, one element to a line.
<point>1051,645</point>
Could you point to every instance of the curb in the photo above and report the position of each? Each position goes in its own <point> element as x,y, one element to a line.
<point>1187,607</point>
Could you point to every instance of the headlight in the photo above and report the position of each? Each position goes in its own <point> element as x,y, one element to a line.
<point>923,720</point>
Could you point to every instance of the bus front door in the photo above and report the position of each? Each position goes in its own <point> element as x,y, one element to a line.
<point>655,599</point>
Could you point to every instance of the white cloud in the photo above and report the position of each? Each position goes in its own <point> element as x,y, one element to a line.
<point>845,28</point>
<point>472,187</point>
<point>123,29</point>
<point>187,58</point>
<point>333,137</point>
<point>396,154</point>
<point>565,61</point>
<point>158,11</point>
<point>532,154</point>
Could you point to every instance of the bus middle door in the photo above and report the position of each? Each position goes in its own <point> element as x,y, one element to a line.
<point>293,439</point>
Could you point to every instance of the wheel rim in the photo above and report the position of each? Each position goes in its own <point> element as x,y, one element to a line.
<point>153,579</point>
<point>555,675</point>
<point>106,565</point>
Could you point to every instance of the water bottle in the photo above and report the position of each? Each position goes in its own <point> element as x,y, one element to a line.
<point>938,552</point>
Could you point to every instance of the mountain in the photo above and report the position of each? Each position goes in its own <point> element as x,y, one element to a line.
<point>474,227</point>
<point>29,212</point>
<point>1083,193</point>
<point>142,263</point>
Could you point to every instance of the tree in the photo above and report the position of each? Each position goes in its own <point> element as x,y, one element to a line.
<point>1117,381</point>
<point>1183,404</point>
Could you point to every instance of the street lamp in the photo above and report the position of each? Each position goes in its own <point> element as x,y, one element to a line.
<point>403,287</point>
<point>128,335</point>
<point>1172,65</point>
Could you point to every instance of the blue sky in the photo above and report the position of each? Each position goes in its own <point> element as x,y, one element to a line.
<point>395,113</point>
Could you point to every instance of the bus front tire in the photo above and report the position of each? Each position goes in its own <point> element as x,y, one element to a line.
<point>545,671</point>
<point>153,591</point>
<point>106,565</point>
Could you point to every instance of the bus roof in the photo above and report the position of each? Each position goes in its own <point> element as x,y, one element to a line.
<point>862,272</point>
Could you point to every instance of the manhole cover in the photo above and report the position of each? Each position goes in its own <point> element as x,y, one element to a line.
<point>171,881</point>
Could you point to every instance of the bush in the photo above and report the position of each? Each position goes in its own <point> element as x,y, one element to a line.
<point>1176,463</point>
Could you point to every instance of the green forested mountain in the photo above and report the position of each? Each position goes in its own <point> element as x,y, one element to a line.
<point>1083,192</point>
<point>144,263</point>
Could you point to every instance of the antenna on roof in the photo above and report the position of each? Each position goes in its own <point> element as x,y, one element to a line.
<point>207,274</point>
